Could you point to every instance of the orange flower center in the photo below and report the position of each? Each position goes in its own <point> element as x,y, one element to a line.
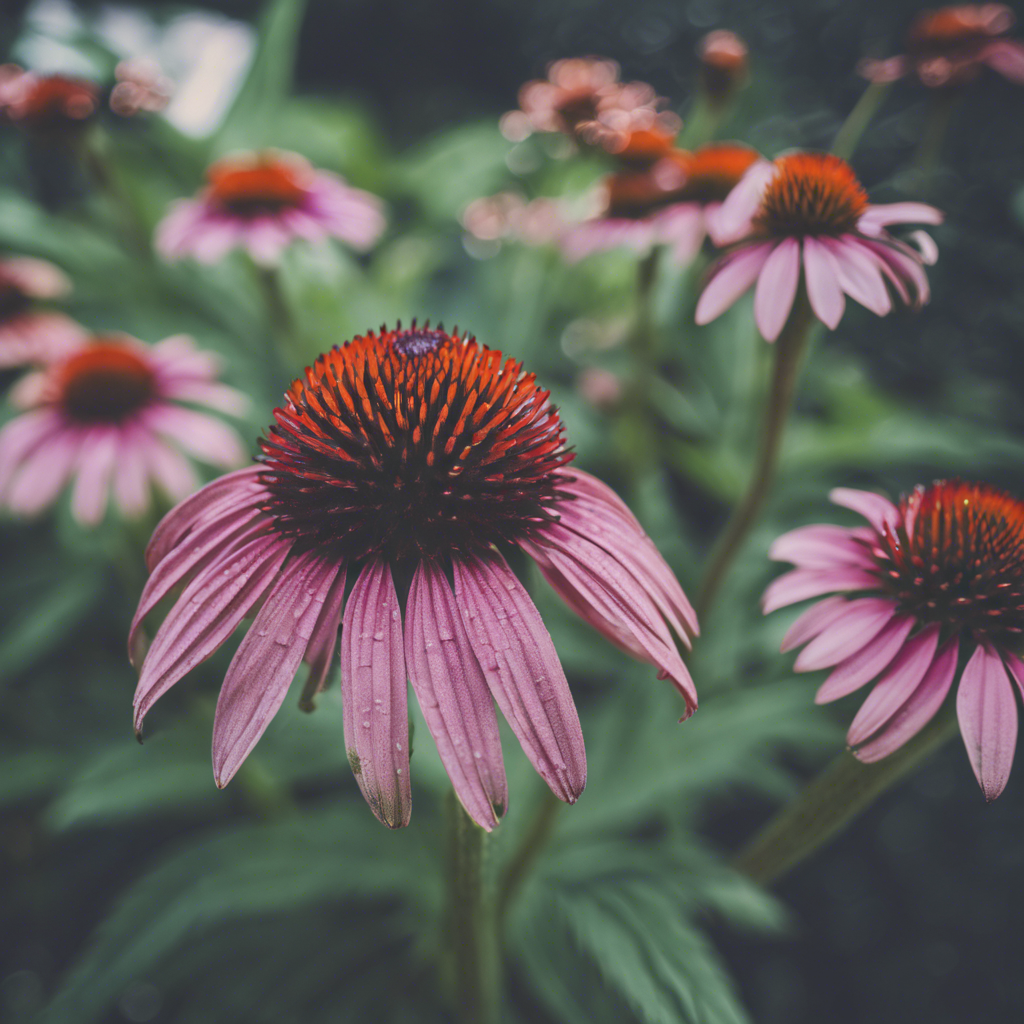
<point>812,194</point>
<point>948,30</point>
<point>713,171</point>
<point>962,562</point>
<point>104,383</point>
<point>257,188</point>
<point>413,443</point>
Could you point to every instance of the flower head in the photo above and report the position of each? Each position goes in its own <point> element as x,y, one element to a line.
<point>933,591</point>
<point>48,104</point>
<point>29,334</point>
<point>723,65</point>
<point>810,209</point>
<point>107,416</point>
<point>950,46</point>
<point>409,457</point>
<point>141,88</point>
<point>262,202</point>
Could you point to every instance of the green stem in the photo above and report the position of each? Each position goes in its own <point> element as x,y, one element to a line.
<point>532,843</point>
<point>789,351</point>
<point>282,362</point>
<point>472,934</point>
<point>859,118</point>
<point>940,111</point>
<point>830,801</point>
<point>136,235</point>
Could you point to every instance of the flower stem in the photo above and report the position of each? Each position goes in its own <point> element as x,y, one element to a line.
<point>789,351</point>
<point>532,843</point>
<point>280,329</point>
<point>472,933</point>
<point>940,110</point>
<point>831,800</point>
<point>639,442</point>
<point>859,118</point>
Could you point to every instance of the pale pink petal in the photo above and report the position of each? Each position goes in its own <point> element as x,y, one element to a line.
<point>23,435</point>
<point>859,275</point>
<point>200,435</point>
<point>36,278</point>
<point>729,278</point>
<point>681,226</point>
<point>896,687</point>
<point>926,247</point>
<point>878,510</point>
<point>811,622</point>
<point>178,227</point>
<point>904,271</point>
<point>43,474</point>
<point>170,470</point>
<point>374,698</point>
<point>821,272</point>
<point>867,663</point>
<point>522,670</point>
<point>883,71</point>
<point>131,476</point>
<point>206,614</point>
<point>325,636</point>
<point>1007,57</point>
<point>265,663</point>
<point>265,239</point>
<point>864,620</point>
<point>919,708</point>
<point>776,288</point>
<point>883,214</point>
<point>801,584</point>
<point>215,396</point>
<point>733,221</point>
<point>97,458</point>
<point>987,711</point>
<point>822,547</point>
<point>454,697</point>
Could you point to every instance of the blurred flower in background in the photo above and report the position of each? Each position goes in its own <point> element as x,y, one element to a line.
<point>141,88</point>
<point>939,575</point>
<point>723,67</point>
<point>47,106</point>
<point>810,208</point>
<point>411,453</point>
<point>262,202</point>
<point>108,417</point>
<point>29,334</point>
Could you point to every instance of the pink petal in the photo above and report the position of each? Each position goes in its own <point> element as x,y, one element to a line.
<point>170,470</point>
<point>200,435</point>
<point>729,278</point>
<point>919,708</point>
<point>681,226</point>
<point>265,663</point>
<point>1007,57</point>
<point>522,670</point>
<point>896,687</point>
<point>21,436</point>
<point>776,288</point>
<point>904,271</point>
<point>821,547</point>
<point>883,214</point>
<point>801,584</point>
<point>862,622</point>
<point>987,711</point>
<point>43,474</point>
<point>867,663</point>
<point>454,697</point>
<point>879,511</point>
<point>859,275</point>
<point>821,272</point>
<point>374,698</point>
<point>97,459</point>
<point>817,618</point>
<point>325,634</point>
<point>206,614</point>
<point>131,479</point>
<point>733,220</point>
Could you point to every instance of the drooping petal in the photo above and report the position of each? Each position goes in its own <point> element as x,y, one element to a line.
<point>97,459</point>
<point>320,651</point>
<point>811,622</point>
<point>918,710</point>
<point>265,663</point>
<point>896,687</point>
<point>903,270</point>
<point>821,547</point>
<point>131,480</point>
<point>859,275</point>
<point>801,584</point>
<point>987,711</point>
<point>862,667</point>
<point>20,437</point>
<point>374,698</point>
<point>522,670</point>
<point>776,288</point>
<point>43,474</point>
<point>878,510</point>
<point>1006,56</point>
<point>821,272</point>
<point>881,215</point>
<point>202,436</point>
<point>864,620</point>
<point>729,279</point>
<point>454,697</point>
<point>732,223</point>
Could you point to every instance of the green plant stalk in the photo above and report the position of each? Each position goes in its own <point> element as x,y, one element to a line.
<point>940,110</point>
<point>283,361</point>
<point>859,118</point>
<point>789,352</point>
<point>472,934</point>
<point>532,843</point>
<point>831,800</point>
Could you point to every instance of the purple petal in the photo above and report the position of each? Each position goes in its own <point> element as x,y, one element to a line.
<point>919,708</point>
<point>902,269</point>
<point>729,278</point>
<point>522,670</point>
<point>818,617</point>
<point>987,711</point>
<point>883,214</point>
<point>879,511</point>
<point>776,288</point>
<point>201,436</point>
<point>801,584</point>
<point>43,474</point>
<point>896,687</point>
<point>860,275</point>
<point>1006,56</point>
<point>23,435</point>
<point>325,635</point>
<point>733,220</point>
<point>454,697</point>
<point>862,622</point>
<point>265,663</point>
<point>867,663</point>
<point>821,547</point>
<point>821,272</point>
<point>97,459</point>
<point>374,698</point>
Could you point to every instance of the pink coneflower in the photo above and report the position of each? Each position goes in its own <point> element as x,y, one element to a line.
<point>107,416</point>
<point>47,105</point>
<point>409,458</point>
<point>934,590</point>
<point>508,215</point>
<point>950,46</point>
<point>29,334</point>
<point>262,202</point>
<point>810,208</point>
<point>674,203</point>
<point>141,87</point>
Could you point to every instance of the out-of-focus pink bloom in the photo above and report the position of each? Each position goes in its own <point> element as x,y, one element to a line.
<point>262,202</point>
<point>723,65</point>
<point>29,334</point>
<point>508,215</point>
<point>413,454</point>
<point>46,104</point>
<point>108,417</point>
<point>675,203</point>
<point>950,46</point>
<point>141,88</point>
<point>930,591</point>
<point>600,388</point>
<point>806,216</point>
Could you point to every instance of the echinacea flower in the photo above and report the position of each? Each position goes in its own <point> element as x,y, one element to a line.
<point>262,202</point>
<point>141,87</point>
<point>408,459</point>
<point>809,209</point>
<point>108,417</point>
<point>29,334</point>
<point>929,592</point>
<point>674,203</point>
<point>48,105</point>
<point>723,65</point>
<point>950,46</point>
